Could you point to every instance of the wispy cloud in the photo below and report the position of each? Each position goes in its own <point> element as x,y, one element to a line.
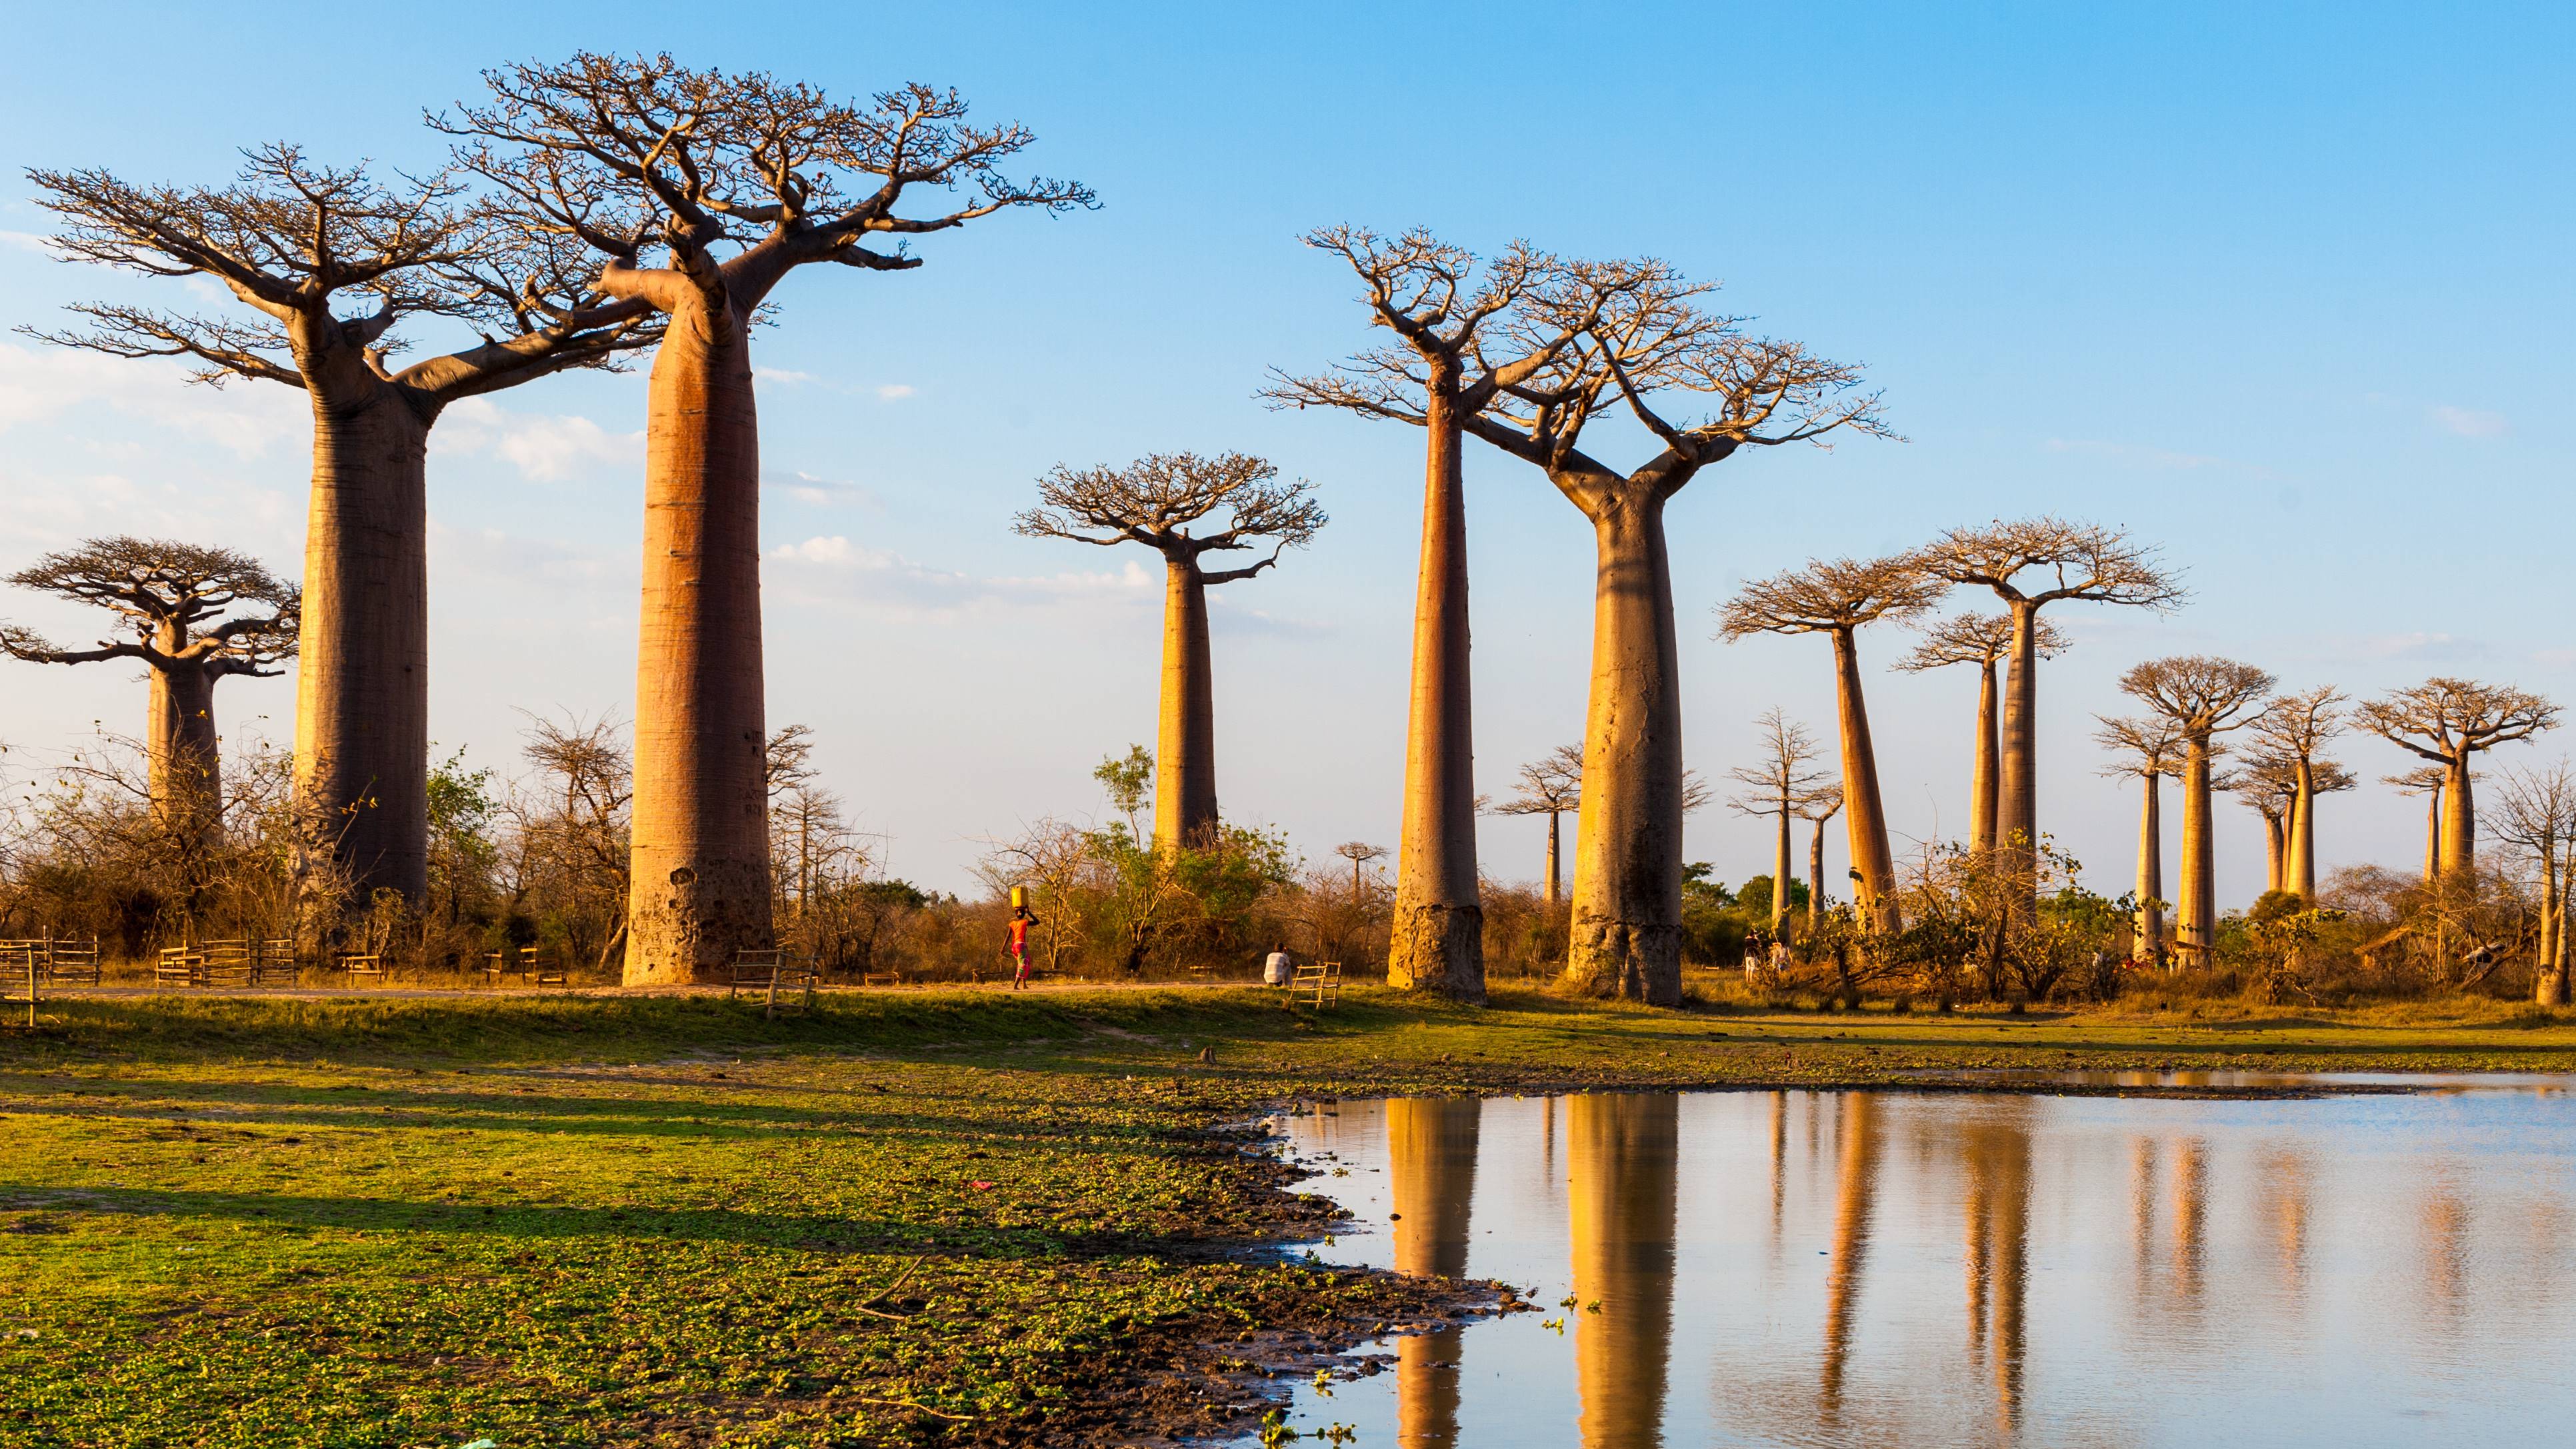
<point>544,447</point>
<point>2141,456</point>
<point>893,390</point>
<point>885,583</point>
<point>823,492</point>
<point>2468,422</point>
<point>786,375</point>
<point>246,419</point>
<point>25,241</point>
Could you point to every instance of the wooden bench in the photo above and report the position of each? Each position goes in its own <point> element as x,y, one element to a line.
<point>361,963</point>
<point>22,975</point>
<point>1324,978</point>
<point>530,962</point>
<point>770,970</point>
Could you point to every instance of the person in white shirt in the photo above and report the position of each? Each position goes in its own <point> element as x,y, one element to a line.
<point>1280,968</point>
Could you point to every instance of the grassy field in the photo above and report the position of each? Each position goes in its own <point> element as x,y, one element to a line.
<point>953,1217</point>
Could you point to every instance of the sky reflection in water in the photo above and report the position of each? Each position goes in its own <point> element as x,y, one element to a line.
<point>1821,1268</point>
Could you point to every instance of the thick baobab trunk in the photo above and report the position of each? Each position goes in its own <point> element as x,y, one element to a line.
<point>2459,818</point>
<point>362,654</point>
<point>2147,939</point>
<point>1185,744</point>
<point>1864,817</point>
<point>1438,930</point>
<point>1555,873</point>
<point>2302,876</point>
<point>1985,778</point>
<point>2547,954</point>
<point>1431,1174</point>
<point>2196,920</point>
<point>2552,987</point>
<point>1627,936</point>
<point>1815,875</point>
<point>2017,794</point>
<point>2275,854</point>
<point>1622,1208</point>
<point>700,876</point>
<point>1780,874</point>
<point>184,751</point>
<point>2433,835</point>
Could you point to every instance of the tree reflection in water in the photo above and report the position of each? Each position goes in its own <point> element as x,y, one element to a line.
<point>1431,1175</point>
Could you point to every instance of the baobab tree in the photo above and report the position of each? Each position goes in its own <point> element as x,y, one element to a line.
<point>1465,333</point>
<point>1980,640</point>
<point>2149,750</point>
<point>2031,564</point>
<point>734,181</point>
<point>333,266</point>
<point>1651,342</point>
<point>2202,697</point>
<point>1780,787</point>
<point>171,601</point>
<point>1156,501</point>
<point>1835,598</point>
<point>2536,813</point>
<point>1359,853</point>
<point>1819,807</point>
<point>2268,783</point>
<point>2295,729</point>
<point>2448,722</point>
<point>1550,785</point>
<point>2427,781</point>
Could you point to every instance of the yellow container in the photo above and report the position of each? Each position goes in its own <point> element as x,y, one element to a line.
<point>1019,898</point>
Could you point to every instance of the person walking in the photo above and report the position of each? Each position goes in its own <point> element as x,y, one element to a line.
<point>1021,919</point>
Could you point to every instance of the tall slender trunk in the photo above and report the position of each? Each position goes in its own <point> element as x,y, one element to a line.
<point>2147,941</point>
<point>701,827</point>
<point>1816,875</point>
<point>1555,874</point>
<point>1431,1175</point>
<point>2275,854</point>
<point>1185,744</point>
<point>1627,933</point>
<point>1987,772</point>
<point>2197,919</point>
<point>1864,817</point>
<point>2552,989</point>
<point>2542,958</point>
<point>1622,1210</point>
<point>2303,834</point>
<point>362,654</point>
<point>1438,929</point>
<point>2433,834</point>
<point>2017,797</point>
<point>1780,872</point>
<point>2459,818</point>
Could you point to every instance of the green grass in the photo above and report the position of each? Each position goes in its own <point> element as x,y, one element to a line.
<point>556,1220</point>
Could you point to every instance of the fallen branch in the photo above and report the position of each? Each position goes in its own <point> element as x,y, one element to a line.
<point>917,1408</point>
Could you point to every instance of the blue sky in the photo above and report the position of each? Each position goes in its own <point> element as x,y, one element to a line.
<point>2281,288</point>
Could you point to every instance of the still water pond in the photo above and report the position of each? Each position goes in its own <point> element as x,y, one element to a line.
<point>1860,1268</point>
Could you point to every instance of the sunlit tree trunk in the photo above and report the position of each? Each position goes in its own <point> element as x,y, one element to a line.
<point>2147,938</point>
<point>1627,924</point>
<point>2547,954</point>
<point>1622,1192</point>
<point>1815,875</point>
<point>1987,777</point>
<point>1555,873</point>
<point>701,826</point>
<point>1438,930</point>
<point>1780,873</point>
<point>1185,745</point>
<point>2552,988</point>
<point>1865,818</point>
<point>2017,797</point>
<point>2197,919</point>
<point>2303,835</point>
<point>2275,854</point>
<point>1431,1174</point>
<point>2459,818</point>
<point>362,672</point>
<point>2433,835</point>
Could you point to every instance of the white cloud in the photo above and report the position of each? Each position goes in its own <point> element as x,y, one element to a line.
<point>543,446</point>
<point>245,418</point>
<point>894,390</point>
<point>884,583</point>
<point>26,241</point>
<point>824,492</point>
<point>2468,422</point>
<point>782,375</point>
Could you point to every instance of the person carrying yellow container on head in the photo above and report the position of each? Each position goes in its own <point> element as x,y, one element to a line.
<point>1021,919</point>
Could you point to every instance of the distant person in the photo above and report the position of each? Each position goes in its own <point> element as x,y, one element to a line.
<point>1279,968</point>
<point>1021,919</point>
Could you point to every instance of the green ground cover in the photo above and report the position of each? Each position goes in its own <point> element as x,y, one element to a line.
<point>903,1217</point>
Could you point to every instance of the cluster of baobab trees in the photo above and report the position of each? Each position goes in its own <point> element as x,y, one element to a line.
<point>606,207</point>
